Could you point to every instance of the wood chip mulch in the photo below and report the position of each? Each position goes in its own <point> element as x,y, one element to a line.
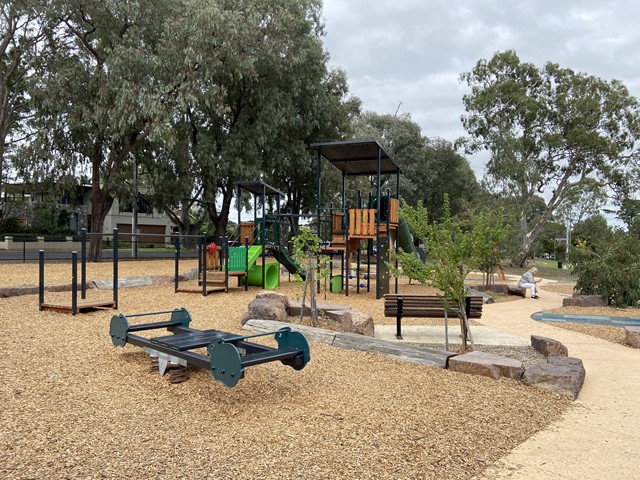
<point>74,406</point>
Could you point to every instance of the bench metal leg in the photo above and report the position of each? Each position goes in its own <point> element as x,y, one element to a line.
<point>399,318</point>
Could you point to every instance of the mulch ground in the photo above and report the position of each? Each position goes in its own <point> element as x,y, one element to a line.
<point>75,406</point>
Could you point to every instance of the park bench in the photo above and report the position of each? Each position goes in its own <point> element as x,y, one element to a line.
<point>426,306</point>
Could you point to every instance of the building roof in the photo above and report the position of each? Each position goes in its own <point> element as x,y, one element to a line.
<point>358,157</point>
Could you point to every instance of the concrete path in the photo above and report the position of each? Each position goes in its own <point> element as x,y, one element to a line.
<point>600,437</point>
<point>435,335</point>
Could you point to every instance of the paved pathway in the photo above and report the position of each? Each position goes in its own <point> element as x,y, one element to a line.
<point>600,437</point>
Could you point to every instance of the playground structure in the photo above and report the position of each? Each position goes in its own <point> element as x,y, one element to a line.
<point>84,304</point>
<point>228,354</point>
<point>342,230</point>
<point>375,221</point>
<point>243,254</point>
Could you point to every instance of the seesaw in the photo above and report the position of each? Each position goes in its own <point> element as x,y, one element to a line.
<point>228,353</point>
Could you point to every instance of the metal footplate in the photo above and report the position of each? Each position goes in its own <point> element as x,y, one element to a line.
<point>228,353</point>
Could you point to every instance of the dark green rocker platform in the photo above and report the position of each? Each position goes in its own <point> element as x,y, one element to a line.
<point>228,353</point>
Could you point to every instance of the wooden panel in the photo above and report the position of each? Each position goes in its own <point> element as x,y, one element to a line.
<point>246,230</point>
<point>338,222</point>
<point>394,205</point>
<point>426,306</point>
<point>82,305</point>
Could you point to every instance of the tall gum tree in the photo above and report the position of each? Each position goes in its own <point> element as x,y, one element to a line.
<point>101,93</point>
<point>21,35</point>
<point>547,130</point>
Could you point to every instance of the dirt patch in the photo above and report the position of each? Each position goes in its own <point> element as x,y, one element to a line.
<point>75,406</point>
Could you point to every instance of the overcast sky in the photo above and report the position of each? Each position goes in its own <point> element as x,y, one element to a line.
<point>413,51</point>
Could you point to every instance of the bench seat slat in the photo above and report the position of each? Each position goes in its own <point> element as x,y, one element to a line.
<point>426,306</point>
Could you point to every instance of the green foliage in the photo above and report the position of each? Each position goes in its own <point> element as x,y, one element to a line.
<point>11,225</point>
<point>431,167</point>
<point>452,252</point>
<point>306,248</point>
<point>547,128</point>
<point>611,269</point>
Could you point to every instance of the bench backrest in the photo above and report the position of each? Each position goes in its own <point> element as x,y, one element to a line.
<point>427,306</point>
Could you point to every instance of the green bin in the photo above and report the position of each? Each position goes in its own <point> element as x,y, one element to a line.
<point>336,284</point>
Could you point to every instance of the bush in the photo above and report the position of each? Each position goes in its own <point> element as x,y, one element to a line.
<point>11,225</point>
<point>611,269</point>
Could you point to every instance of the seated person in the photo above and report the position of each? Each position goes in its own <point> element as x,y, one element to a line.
<point>528,281</point>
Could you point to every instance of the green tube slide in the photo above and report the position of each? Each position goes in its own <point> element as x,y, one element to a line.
<point>271,277</point>
<point>405,238</point>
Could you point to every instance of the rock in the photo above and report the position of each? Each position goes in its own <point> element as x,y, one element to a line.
<point>265,309</point>
<point>275,296</point>
<point>487,364</point>
<point>564,375</point>
<point>162,279</point>
<point>18,291</point>
<point>548,346</point>
<point>584,301</point>
<point>354,321</point>
<point>486,298</point>
<point>632,336</point>
<point>515,290</point>
<point>495,288</point>
<point>335,315</point>
<point>295,307</point>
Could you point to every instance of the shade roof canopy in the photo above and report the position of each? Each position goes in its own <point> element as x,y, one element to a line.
<point>258,188</point>
<point>358,157</point>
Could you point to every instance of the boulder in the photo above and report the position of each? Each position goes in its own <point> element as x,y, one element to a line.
<point>632,336</point>
<point>487,364</point>
<point>584,301</point>
<point>518,291</point>
<point>548,346</point>
<point>502,288</point>
<point>295,307</point>
<point>275,296</point>
<point>354,321</point>
<point>265,309</point>
<point>564,375</point>
<point>486,298</point>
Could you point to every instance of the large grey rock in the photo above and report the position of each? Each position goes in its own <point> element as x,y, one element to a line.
<point>295,307</point>
<point>265,309</point>
<point>632,336</point>
<point>518,291</point>
<point>487,364</point>
<point>496,288</point>
<point>564,375</point>
<point>548,346</point>
<point>279,297</point>
<point>354,321</point>
<point>584,301</point>
<point>486,298</point>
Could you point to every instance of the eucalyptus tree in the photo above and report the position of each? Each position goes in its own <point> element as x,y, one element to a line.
<point>21,45</point>
<point>105,89</point>
<point>261,93</point>
<point>431,167</point>
<point>547,130</point>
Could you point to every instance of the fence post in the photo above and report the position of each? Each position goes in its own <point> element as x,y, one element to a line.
<point>74,282</point>
<point>177,256</point>
<point>115,267</point>
<point>202,261</point>
<point>83,265</point>
<point>40,279</point>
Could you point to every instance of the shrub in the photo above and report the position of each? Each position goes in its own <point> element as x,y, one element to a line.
<point>611,269</point>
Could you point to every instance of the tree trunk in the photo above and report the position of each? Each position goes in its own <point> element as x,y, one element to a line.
<point>101,203</point>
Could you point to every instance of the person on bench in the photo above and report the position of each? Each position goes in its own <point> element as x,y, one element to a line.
<point>528,281</point>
